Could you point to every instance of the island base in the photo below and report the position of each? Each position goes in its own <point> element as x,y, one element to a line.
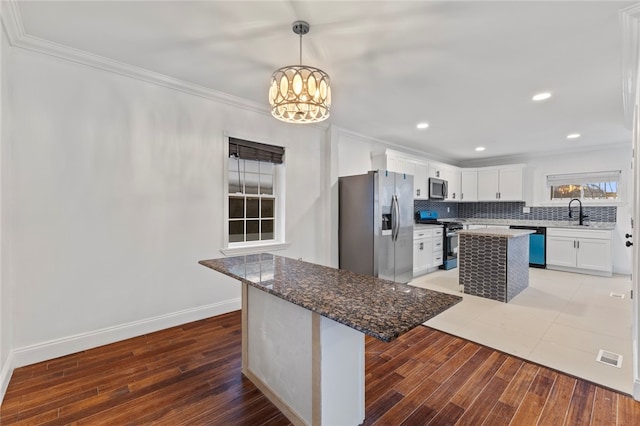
<point>493,267</point>
<point>309,366</point>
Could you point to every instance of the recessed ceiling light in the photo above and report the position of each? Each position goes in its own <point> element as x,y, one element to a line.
<point>573,136</point>
<point>480,148</point>
<point>541,96</point>
<point>422,125</point>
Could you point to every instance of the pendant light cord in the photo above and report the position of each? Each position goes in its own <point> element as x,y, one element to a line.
<point>300,49</point>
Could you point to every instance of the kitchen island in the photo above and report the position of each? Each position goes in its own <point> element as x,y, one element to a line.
<point>303,328</point>
<point>494,262</point>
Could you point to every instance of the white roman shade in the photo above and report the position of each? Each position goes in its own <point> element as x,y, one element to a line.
<point>583,178</point>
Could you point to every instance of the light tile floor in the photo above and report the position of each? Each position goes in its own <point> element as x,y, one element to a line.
<point>561,321</point>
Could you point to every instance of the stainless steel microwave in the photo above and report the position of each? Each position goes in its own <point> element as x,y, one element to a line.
<point>437,189</point>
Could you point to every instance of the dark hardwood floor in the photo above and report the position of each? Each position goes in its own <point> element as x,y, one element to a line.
<point>190,375</point>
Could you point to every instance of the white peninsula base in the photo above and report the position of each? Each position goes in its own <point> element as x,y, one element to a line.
<point>309,366</point>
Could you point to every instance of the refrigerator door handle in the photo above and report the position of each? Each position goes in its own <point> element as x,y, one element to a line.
<point>395,216</point>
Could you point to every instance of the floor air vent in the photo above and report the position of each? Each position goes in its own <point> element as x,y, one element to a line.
<point>609,358</point>
<point>617,295</point>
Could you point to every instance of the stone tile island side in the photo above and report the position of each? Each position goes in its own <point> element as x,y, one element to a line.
<point>494,262</point>
<point>303,328</point>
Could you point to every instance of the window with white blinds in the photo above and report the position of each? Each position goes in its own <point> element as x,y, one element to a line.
<point>589,186</point>
<point>254,211</point>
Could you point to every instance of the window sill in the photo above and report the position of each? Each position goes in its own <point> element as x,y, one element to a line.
<point>255,249</point>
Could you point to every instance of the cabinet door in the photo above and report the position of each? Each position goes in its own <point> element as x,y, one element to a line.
<point>407,167</point>
<point>510,184</point>
<point>594,254</point>
<point>561,251</point>
<point>420,182</point>
<point>421,255</point>
<point>469,186</point>
<point>488,181</point>
<point>392,164</point>
<point>435,171</point>
<point>452,176</point>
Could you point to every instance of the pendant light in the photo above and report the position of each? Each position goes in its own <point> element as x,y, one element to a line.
<point>300,93</point>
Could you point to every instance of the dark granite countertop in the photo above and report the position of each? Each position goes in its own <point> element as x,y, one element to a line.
<point>379,308</point>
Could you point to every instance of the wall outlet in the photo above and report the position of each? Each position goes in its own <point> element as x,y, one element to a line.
<point>526,210</point>
<point>448,209</point>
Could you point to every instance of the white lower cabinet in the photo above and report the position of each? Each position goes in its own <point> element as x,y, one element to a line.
<point>580,250</point>
<point>421,255</point>
<point>427,250</point>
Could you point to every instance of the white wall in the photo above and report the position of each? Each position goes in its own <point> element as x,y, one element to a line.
<point>354,154</point>
<point>6,324</point>
<point>117,192</point>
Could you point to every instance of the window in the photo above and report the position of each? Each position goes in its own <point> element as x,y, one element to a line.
<point>585,186</point>
<point>252,192</point>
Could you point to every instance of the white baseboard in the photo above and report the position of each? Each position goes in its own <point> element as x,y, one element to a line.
<point>5,375</point>
<point>83,341</point>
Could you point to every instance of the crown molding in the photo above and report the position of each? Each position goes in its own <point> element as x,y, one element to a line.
<point>17,37</point>
<point>401,148</point>
<point>522,158</point>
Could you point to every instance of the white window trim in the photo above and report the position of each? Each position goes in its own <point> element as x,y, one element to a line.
<point>253,247</point>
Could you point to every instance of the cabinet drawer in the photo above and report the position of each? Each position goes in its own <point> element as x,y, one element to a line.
<point>422,234</point>
<point>436,260</point>
<point>600,234</point>
<point>437,245</point>
<point>437,232</point>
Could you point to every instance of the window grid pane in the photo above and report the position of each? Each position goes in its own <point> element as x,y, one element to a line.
<point>236,231</point>
<point>588,191</point>
<point>251,201</point>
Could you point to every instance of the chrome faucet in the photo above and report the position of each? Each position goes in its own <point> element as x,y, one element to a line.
<point>581,216</point>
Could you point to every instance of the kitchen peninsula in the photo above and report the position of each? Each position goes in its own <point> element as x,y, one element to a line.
<point>494,262</point>
<point>303,328</point>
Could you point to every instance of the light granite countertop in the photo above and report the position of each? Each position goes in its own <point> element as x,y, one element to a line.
<point>419,226</point>
<point>546,223</point>
<point>497,232</point>
<point>379,308</point>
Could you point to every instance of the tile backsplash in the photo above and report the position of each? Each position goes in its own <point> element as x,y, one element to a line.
<point>444,208</point>
<point>513,210</point>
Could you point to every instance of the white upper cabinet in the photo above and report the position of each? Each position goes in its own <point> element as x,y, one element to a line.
<point>420,180</point>
<point>449,173</point>
<point>511,184</point>
<point>469,185</point>
<point>501,183</point>
<point>396,162</point>
<point>488,183</point>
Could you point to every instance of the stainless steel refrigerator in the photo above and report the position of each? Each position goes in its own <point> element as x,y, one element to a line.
<point>376,225</point>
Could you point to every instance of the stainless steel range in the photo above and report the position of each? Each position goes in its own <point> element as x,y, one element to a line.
<point>449,236</point>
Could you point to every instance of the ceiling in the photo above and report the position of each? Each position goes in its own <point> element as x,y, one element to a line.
<point>469,69</point>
